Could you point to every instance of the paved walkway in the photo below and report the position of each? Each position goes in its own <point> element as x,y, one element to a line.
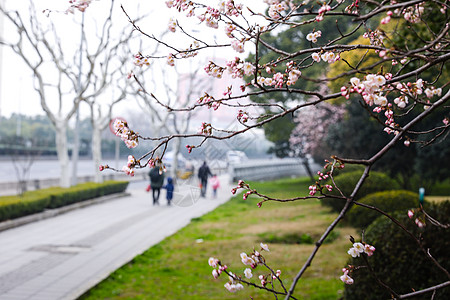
<point>62,257</point>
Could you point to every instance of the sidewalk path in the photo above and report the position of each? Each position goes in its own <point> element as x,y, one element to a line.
<point>62,257</point>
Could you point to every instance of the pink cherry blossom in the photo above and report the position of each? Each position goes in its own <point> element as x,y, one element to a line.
<point>369,250</point>
<point>248,273</point>
<point>346,279</point>
<point>264,247</point>
<point>172,25</point>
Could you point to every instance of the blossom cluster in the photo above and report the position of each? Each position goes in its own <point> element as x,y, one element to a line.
<point>230,8</point>
<point>252,260</point>
<point>359,248</point>
<point>243,185</point>
<point>322,177</point>
<point>81,5</point>
<point>190,51</point>
<point>412,13</point>
<point>238,45</point>
<point>238,68</point>
<point>205,129</point>
<point>420,221</point>
<point>172,25</point>
<point>352,7</point>
<point>229,28</point>
<point>376,37</point>
<point>325,7</point>
<point>386,19</point>
<point>413,89</point>
<point>152,162</point>
<point>328,56</point>
<point>430,92</point>
<point>278,79</point>
<point>103,167</point>
<point>314,187</point>
<point>212,15</point>
<point>171,60</point>
<point>127,135</point>
<point>276,8</point>
<point>179,4</point>
<point>242,116</point>
<point>374,90</point>
<point>209,101</point>
<point>312,36</point>
<point>140,60</point>
<point>356,251</point>
<point>214,70</point>
<point>293,73</point>
<point>129,167</point>
<point>345,277</point>
<point>190,147</point>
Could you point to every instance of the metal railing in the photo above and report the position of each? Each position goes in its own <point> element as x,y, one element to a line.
<point>269,169</point>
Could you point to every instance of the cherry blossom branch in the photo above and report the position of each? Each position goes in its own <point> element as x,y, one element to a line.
<point>273,291</point>
<point>423,58</point>
<point>387,8</point>
<point>424,291</point>
<point>316,249</point>
<point>379,281</point>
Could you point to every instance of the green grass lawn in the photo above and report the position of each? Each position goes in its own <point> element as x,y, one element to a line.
<point>177,268</point>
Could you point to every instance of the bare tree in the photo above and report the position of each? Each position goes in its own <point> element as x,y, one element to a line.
<point>48,54</point>
<point>23,153</point>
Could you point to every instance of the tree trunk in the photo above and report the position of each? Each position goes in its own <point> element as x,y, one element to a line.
<point>75,151</point>
<point>96,147</point>
<point>305,163</point>
<point>62,152</point>
<point>176,151</point>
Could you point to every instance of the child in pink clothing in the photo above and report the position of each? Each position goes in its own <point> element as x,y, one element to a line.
<point>215,183</point>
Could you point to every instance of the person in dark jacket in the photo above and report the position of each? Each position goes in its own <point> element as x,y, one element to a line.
<point>156,182</point>
<point>203,173</point>
<point>169,188</point>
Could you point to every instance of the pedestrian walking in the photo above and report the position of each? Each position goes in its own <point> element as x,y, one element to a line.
<point>203,173</point>
<point>215,184</point>
<point>156,182</point>
<point>169,190</point>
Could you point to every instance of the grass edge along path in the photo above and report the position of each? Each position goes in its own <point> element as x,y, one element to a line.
<point>177,268</point>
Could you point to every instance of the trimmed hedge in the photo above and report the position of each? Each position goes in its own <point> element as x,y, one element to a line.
<point>387,201</point>
<point>12,207</point>
<point>399,262</point>
<point>376,182</point>
<point>441,188</point>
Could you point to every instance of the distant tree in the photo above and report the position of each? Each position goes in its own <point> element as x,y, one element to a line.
<point>32,128</point>
<point>23,152</point>
<point>312,126</point>
<point>44,50</point>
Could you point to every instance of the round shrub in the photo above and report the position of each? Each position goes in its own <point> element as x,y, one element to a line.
<point>346,182</point>
<point>387,201</point>
<point>399,262</point>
